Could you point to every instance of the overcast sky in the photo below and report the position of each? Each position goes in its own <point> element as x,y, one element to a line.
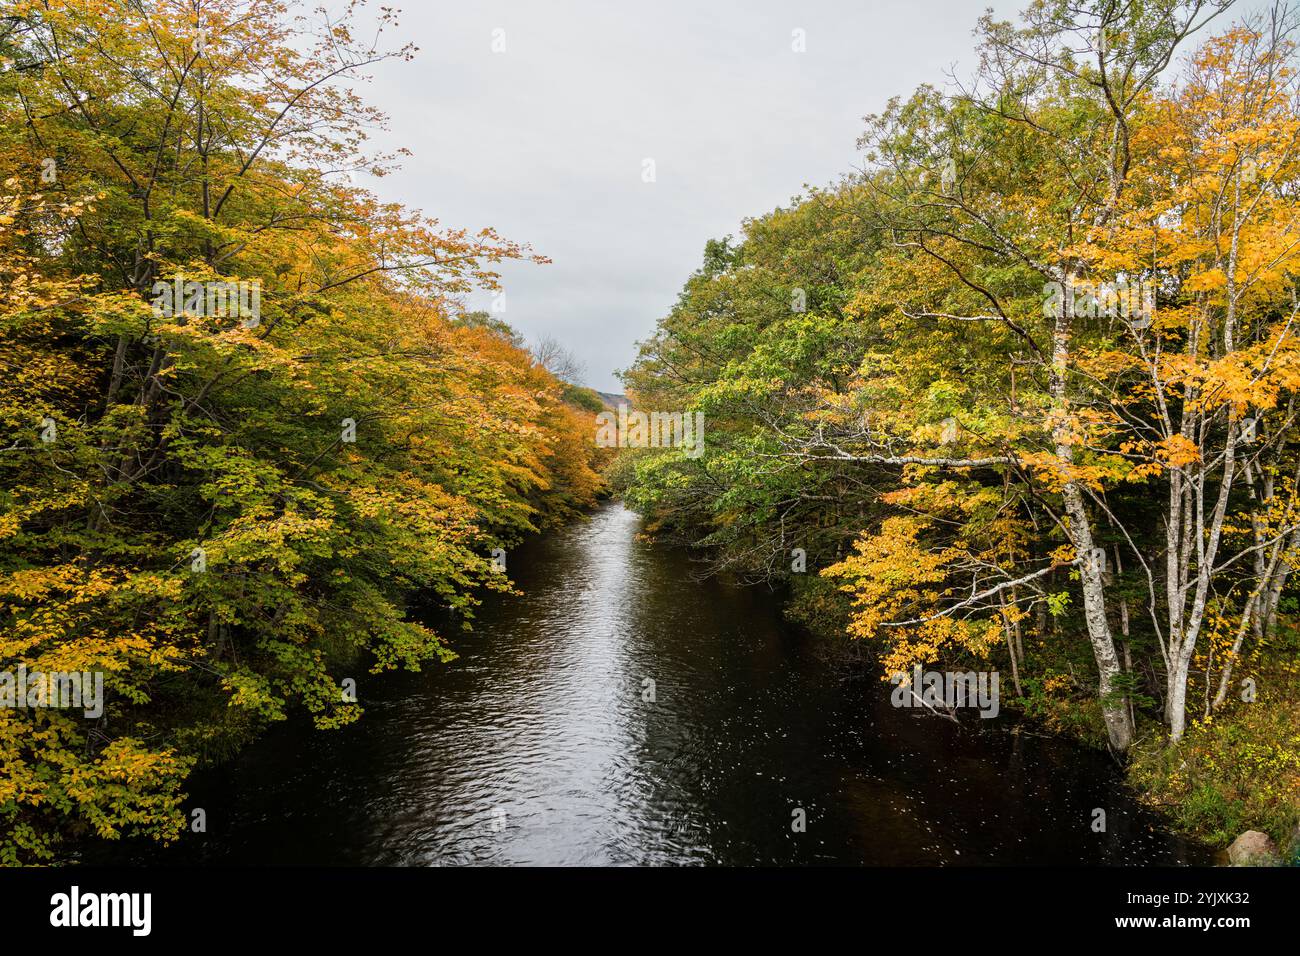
<point>546,140</point>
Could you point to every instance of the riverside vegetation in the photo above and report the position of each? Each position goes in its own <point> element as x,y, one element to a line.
<point>1022,393</point>
<point>225,513</point>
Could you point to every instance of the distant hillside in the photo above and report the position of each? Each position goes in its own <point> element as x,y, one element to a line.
<point>611,400</point>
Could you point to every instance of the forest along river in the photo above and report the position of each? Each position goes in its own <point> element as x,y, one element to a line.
<point>537,746</point>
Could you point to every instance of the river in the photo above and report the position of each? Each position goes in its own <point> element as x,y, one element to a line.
<point>625,712</point>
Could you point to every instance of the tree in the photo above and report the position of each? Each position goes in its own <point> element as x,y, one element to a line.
<point>963,374</point>
<point>558,359</point>
<point>224,512</point>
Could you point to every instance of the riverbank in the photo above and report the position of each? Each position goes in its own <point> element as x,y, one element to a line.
<point>1234,772</point>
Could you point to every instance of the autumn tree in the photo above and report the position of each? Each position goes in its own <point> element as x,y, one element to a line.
<point>226,513</point>
<point>1031,369</point>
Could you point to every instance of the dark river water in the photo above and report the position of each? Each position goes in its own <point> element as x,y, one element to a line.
<point>541,745</point>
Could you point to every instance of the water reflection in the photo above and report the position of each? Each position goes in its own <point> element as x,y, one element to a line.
<point>623,713</point>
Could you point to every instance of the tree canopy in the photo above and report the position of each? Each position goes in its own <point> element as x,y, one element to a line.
<point>1023,390</point>
<point>224,512</point>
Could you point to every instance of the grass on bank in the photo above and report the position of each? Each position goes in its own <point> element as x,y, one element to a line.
<point>1238,769</point>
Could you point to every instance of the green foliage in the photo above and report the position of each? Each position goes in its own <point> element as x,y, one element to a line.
<point>582,398</point>
<point>229,516</point>
<point>889,384</point>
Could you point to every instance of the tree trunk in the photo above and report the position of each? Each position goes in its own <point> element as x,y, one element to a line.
<point>1114,708</point>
